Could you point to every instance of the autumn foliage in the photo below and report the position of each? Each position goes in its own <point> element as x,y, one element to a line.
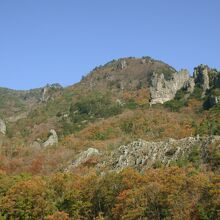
<point>164,193</point>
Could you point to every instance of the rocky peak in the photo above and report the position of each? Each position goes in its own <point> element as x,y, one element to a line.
<point>201,77</point>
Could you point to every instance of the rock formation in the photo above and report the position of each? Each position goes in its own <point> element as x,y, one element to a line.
<point>123,64</point>
<point>84,157</point>
<point>201,77</point>
<point>141,154</point>
<point>189,85</point>
<point>53,139</point>
<point>2,127</point>
<point>163,90</point>
<point>48,91</point>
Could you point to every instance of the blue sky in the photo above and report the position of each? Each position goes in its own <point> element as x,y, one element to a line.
<point>47,41</point>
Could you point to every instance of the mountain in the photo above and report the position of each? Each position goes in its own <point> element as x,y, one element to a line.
<point>116,103</point>
<point>134,139</point>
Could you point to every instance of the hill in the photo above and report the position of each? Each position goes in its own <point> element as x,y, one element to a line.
<point>114,104</point>
<point>131,123</point>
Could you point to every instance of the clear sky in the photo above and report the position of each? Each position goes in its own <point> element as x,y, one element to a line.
<point>47,41</point>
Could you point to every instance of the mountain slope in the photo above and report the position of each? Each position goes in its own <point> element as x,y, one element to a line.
<point>108,108</point>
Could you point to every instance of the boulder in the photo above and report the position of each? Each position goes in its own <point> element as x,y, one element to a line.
<point>85,156</point>
<point>53,139</point>
<point>2,127</point>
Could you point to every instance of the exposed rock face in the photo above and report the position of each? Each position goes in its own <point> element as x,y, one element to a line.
<point>84,157</point>
<point>123,64</point>
<point>2,127</point>
<point>189,85</point>
<point>201,77</point>
<point>141,154</point>
<point>53,139</point>
<point>163,90</point>
<point>48,91</point>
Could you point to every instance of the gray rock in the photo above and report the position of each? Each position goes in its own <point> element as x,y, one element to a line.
<point>53,139</point>
<point>123,64</point>
<point>48,91</point>
<point>2,127</point>
<point>142,154</point>
<point>189,85</point>
<point>201,77</point>
<point>119,102</point>
<point>163,90</point>
<point>84,157</point>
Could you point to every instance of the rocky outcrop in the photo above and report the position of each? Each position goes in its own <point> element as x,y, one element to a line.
<point>53,139</point>
<point>123,64</point>
<point>49,90</point>
<point>189,85</point>
<point>201,77</point>
<point>141,154</point>
<point>84,157</point>
<point>2,127</point>
<point>163,90</point>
